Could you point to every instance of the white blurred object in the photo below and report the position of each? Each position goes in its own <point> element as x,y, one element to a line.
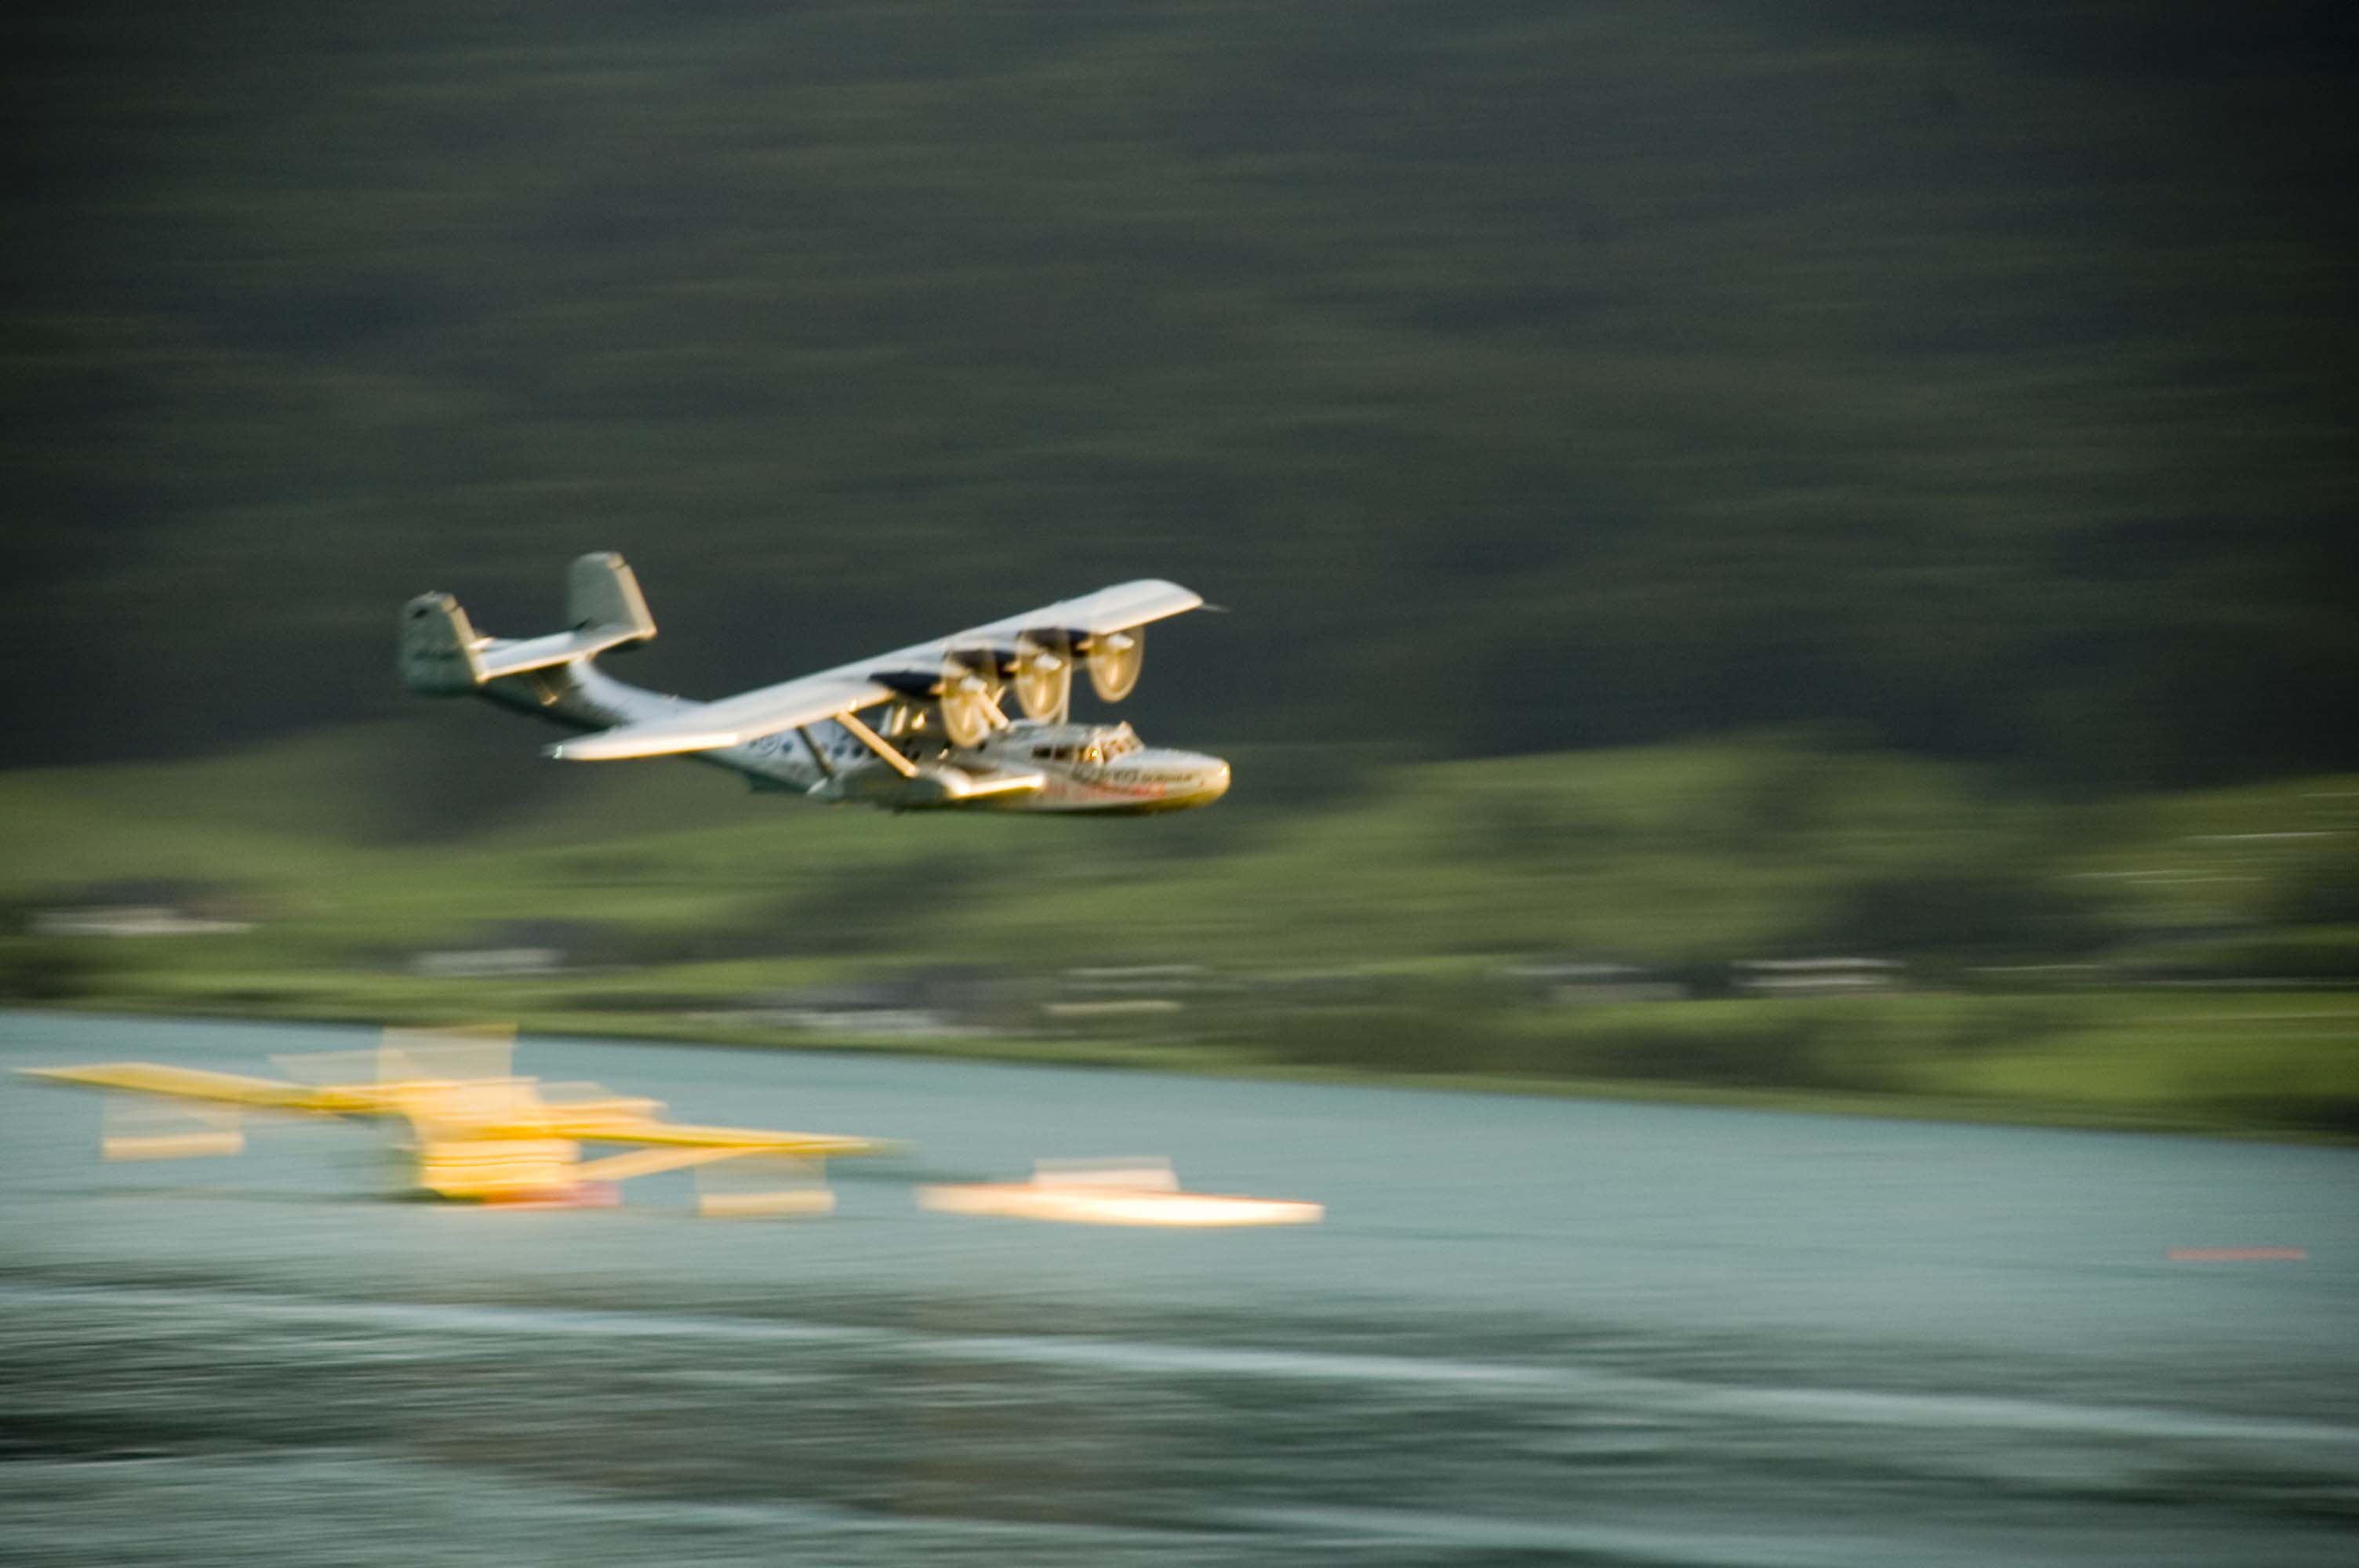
<point>1112,1192</point>
<point>764,1188</point>
<point>143,1129</point>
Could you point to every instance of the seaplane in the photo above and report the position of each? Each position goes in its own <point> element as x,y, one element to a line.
<point>935,735</point>
<point>476,1133</point>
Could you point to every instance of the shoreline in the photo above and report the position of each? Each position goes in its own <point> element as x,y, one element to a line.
<point>1215,1062</point>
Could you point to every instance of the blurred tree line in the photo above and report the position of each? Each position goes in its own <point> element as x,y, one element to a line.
<point>1525,374</point>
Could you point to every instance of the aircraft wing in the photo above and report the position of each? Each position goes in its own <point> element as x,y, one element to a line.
<point>733,720</point>
<point>590,1123</point>
<point>194,1083</point>
<point>682,1135</point>
<point>1116,609</point>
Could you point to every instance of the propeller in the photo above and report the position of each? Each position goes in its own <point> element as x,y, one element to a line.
<point>1114,661</point>
<point>970,698</point>
<point>1044,673</point>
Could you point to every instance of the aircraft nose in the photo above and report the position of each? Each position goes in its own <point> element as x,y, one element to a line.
<point>1193,778</point>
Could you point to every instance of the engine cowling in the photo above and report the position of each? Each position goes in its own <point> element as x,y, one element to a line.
<point>1114,661</point>
<point>1043,674</point>
<point>1041,666</point>
<point>970,695</point>
<point>963,695</point>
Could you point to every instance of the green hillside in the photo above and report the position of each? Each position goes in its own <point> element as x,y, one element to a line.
<point>2172,959</point>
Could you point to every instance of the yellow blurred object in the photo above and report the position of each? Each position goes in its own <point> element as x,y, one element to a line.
<point>479,1133</point>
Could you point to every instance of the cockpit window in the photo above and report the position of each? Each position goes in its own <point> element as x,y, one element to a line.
<point>1102,748</point>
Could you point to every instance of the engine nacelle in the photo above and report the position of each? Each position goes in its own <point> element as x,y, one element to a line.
<point>1041,666</point>
<point>1114,661</point>
<point>964,694</point>
<point>917,685</point>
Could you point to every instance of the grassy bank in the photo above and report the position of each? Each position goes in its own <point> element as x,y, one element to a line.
<point>1587,922</point>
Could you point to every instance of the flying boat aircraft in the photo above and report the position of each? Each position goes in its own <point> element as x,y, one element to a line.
<point>936,737</point>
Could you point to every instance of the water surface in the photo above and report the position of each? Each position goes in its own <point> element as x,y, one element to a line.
<point>1531,1330</point>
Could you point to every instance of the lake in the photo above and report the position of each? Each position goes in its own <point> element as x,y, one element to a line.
<point>1529,1330</point>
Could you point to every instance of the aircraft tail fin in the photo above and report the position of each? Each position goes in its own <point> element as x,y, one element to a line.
<point>602,593</point>
<point>440,654</point>
<point>443,653</point>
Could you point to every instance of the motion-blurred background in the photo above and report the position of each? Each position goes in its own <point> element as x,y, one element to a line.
<point>1800,547</point>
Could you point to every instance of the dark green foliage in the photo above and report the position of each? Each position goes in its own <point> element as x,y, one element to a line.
<point>2327,953</point>
<point>869,909</point>
<point>2324,891</point>
<point>1398,1036</point>
<point>2335,1116</point>
<point>1995,909</point>
<point>53,969</point>
<point>1767,1049</point>
<point>1525,376</point>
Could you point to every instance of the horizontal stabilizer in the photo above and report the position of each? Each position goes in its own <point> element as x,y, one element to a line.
<point>497,658</point>
<point>443,654</point>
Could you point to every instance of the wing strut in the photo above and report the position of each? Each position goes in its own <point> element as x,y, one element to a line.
<point>877,743</point>
<point>818,757</point>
